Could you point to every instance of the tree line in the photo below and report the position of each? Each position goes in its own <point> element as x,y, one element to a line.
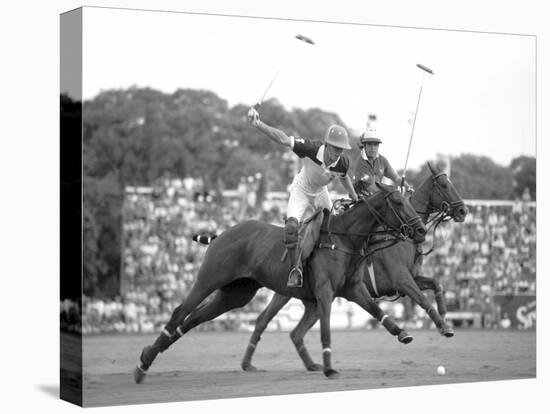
<point>136,136</point>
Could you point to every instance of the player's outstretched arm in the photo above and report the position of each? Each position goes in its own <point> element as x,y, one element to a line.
<point>274,134</point>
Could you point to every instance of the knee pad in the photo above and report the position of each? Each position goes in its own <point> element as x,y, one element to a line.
<point>291,232</point>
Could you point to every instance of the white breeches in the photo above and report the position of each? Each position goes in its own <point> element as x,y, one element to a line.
<point>302,205</point>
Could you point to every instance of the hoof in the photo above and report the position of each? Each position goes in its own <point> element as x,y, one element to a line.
<point>139,375</point>
<point>314,367</point>
<point>247,367</point>
<point>447,332</point>
<point>404,338</point>
<point>331,374</point>
<point>145,361</point>
<point>251,368</point>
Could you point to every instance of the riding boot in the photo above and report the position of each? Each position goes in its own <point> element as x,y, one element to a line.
<point>291,243</point>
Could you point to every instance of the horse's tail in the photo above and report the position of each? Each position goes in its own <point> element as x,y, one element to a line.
<point>204,239</point>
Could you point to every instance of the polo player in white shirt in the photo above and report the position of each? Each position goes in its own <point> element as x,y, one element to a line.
<point>322,163</point>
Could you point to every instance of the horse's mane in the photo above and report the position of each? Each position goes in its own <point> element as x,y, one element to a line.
<point>424,183</point>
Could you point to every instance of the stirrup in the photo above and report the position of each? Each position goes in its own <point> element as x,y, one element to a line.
<point>295,277</point>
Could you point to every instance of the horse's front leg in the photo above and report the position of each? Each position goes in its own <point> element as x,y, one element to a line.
<point>427,283</point>
<point>274,306</point>
<point>358,293</point>
<point>406,285</point>
<point>309,318</point>
<point>324,295</point>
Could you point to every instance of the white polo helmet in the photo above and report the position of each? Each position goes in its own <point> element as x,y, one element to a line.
<point>338,136</point>
<point>370,135</point>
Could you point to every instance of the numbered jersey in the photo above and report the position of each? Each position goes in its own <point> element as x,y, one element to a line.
<point>315,175</point>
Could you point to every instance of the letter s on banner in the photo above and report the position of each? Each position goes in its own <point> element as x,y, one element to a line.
<point>526,315</point>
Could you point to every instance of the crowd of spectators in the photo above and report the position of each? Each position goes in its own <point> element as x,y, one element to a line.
<point>492,252</point>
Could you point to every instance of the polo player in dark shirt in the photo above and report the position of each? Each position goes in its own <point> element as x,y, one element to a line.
<point>373,167</point>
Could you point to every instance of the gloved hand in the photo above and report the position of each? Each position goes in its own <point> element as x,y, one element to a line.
<point>340,206</point>
<point>253,116</point>
<point>364,194</point>
<point>408,189</point>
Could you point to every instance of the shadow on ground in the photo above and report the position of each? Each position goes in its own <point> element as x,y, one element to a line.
<point>51,390</point>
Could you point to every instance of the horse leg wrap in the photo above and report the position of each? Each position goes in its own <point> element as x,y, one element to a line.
<point>256,336</point>
<point>327,352</point>
<point>149,353</point>
<point>173,338</point>
<point>434,316</point>
<point>390,325</point>
<point>248,356</point>
<point>440,300</point>
<point>164,340</point>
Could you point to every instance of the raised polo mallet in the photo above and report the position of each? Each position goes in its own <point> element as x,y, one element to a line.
<point>425,70</point>
<point>301,38</point>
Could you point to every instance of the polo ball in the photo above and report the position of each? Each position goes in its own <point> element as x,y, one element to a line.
<point>441,370</point>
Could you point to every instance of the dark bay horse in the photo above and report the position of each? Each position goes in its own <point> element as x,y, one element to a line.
<point>247,256</point>
<point>396,271</point>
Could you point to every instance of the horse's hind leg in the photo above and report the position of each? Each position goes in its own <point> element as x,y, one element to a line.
<point>406,285</point>
<point>232,296</point>
<point>165,339</point>
<point>275,305</point>
<point>307,321</point>
<point>427,283</point>
<point>359,294</point>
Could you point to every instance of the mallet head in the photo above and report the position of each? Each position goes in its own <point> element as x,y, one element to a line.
<point>304,39</point>
<point>425,68</point>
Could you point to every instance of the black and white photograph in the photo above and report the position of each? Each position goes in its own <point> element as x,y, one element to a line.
<point>362,198</point>
<point>298,206</point>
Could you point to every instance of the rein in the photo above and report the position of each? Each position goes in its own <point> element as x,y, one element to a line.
<point>396,234</point>
<point>441,217</point>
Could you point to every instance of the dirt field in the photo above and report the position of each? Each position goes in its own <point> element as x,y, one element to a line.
<point>206,365</point>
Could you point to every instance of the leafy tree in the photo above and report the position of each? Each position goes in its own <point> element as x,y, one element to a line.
<point>475,177</point>
<point>524,170</point>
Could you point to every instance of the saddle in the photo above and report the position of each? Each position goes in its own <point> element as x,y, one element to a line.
<point>308,234</point>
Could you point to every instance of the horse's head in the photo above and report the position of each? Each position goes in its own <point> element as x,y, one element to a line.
<point>397,213</point>
<point>444,198</point>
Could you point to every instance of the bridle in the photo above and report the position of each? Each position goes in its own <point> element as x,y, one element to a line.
<point>396,234</point>
<point>445,211</point>
<point>446,208</point>
<point>405,226</point>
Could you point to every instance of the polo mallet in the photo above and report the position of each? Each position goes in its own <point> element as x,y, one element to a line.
<point>425,70</point>
<point>301,38</point>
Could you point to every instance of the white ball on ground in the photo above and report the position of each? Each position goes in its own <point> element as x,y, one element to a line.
<point>441,370</point>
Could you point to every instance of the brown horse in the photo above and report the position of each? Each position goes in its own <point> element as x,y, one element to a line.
<point>247,256</point>
<point>396,271</point>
